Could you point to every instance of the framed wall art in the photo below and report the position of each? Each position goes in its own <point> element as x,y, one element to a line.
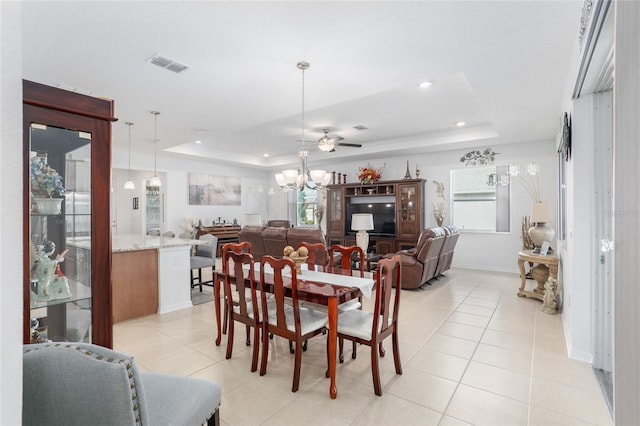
<point>214,190</point>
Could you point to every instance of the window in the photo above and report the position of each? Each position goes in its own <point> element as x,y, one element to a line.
<point>481,198</point>
<point>307,207</point>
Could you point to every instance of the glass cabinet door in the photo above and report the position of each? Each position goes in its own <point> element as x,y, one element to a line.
<point>60,234</point>
<point>408,220</point>
<point>335,215</point>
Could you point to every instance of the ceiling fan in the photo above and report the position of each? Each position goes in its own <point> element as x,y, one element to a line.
<point>328,144</point>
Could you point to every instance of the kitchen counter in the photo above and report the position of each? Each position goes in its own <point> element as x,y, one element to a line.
<point>150,275</point>
<point>129,242</point>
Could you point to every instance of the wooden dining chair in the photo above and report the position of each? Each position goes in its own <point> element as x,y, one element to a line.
<point>371,328</point>
<point>317,253</point>
<point>244,247</point>
<point>290,320</point>
<point>246,310</point>
<point>349,255</point>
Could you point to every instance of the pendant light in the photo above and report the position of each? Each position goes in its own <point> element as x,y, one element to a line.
<point>299,179</point>
<point>155,180</point>
<point>129,183</point>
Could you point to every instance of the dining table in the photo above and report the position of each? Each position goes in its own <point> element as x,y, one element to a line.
<point>324,285</point>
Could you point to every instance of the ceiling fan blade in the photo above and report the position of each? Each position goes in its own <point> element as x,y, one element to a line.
<point>352,145</point>
<point>336,139</point>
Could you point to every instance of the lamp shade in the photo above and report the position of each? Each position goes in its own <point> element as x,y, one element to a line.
<point>540,213</point>
<point>362,222</point>
<point>252,219</point>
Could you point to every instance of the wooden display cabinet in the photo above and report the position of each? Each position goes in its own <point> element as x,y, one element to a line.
<point>408,195</point>
<point>67,241</point>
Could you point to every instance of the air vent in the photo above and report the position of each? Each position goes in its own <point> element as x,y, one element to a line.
<point>360,127</point>
<point>168,64</point>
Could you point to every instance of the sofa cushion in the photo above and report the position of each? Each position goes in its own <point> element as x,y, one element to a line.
<point>297,236</point>
<point>275,240</point>
<point>253,235</point>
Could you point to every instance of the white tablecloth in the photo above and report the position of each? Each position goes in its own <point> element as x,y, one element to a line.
<point>364,284</point>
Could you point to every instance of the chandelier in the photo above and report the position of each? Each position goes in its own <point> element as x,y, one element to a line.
<point>292,179</point>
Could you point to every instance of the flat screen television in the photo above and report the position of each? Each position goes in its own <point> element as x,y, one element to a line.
<point>384,217</point>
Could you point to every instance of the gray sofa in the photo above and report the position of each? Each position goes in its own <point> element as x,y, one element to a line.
<point>83,384</point>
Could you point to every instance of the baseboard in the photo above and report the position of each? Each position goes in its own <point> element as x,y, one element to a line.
<point>175,307</point>
<point>571,353</point>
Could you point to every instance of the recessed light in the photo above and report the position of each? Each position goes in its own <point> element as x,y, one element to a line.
<point>198,141</point>
<point>460,123</point>
<point>425,84</point>
<point>265,154</point>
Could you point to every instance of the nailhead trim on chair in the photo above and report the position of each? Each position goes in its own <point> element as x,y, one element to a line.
<point>126,362</point>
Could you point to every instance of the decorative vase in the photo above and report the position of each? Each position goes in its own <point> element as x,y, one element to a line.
<point>48,206</point>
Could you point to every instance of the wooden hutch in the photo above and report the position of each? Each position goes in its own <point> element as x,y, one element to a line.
<point>407,194</point>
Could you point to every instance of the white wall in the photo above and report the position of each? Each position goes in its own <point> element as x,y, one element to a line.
<point>174,173</point>
<point>489,251</point>
<point>11,278</point>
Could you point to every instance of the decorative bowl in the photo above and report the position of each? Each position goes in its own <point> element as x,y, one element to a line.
<point>298,260</point>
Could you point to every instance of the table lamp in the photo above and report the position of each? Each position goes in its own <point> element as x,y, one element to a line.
<point>362,222</point>
<point>542,231</point>
<point>252,219</point>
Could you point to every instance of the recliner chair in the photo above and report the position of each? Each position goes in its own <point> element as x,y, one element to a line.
<point>419,264</point>
<point>446,254</point>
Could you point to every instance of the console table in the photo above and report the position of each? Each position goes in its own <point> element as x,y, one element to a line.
<point>545,291</point>
<point>225,234</point>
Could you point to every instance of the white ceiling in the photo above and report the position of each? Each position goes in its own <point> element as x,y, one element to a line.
<point>500,66</point>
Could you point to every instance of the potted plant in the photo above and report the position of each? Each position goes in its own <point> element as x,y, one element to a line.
<point>47,186</point>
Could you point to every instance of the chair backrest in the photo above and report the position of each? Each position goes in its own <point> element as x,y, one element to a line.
<point>385,313</point>
<point>207,250</point>
<point>430,252</point>
<point>253,235</point>
<point>279,327</point>
<point>446,253</point>
<point>275,240</point>
<point>347,256</point>
<point>243,247</point>
<point>297,236</point>
<point>56,376</point>
<point>317,253</point>
<point>239,259</point>
<point>169,234</point>
<point>279,223</point>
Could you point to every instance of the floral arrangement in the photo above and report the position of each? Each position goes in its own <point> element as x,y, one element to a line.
<point>45,181</point>
<point>190,225</point>
<point>438,205</point>
<point>370,174</point>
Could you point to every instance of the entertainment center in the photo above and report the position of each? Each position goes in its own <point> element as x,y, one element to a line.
<point>398,213</point>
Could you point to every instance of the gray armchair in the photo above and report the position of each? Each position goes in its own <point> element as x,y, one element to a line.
<point>83,384</point>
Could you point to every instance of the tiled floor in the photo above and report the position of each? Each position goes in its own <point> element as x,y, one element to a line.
<point>473,353</point>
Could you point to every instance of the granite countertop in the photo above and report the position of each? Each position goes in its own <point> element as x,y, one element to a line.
<point>131,242</point>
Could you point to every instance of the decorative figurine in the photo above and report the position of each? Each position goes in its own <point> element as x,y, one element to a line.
<point>407,175</point>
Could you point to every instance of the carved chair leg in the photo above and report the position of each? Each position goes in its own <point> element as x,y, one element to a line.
<point>296,367</point>
<point>230,339</point>
<point>248,336</point>
<point>375,372</point>
<point>340,348</point>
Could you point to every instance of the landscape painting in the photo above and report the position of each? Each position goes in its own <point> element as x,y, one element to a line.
<point>205,189</point>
